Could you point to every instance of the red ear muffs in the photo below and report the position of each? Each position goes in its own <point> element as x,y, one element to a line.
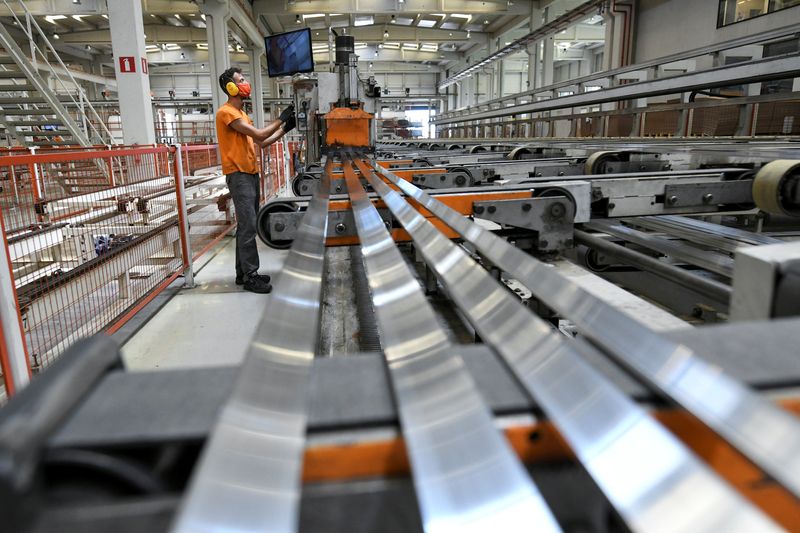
<point>232,88</point>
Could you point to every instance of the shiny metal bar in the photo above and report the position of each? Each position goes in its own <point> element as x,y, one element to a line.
<point>466,475</point>
<point>765,433</point>
<point>709,260</point>
<point>723,237</point>
<point>701,285</point>
<point>248,477</point>
<point>649,476</point>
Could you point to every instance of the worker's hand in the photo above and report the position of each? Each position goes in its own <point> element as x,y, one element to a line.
<point>288,112</point>
<point>290,123</point>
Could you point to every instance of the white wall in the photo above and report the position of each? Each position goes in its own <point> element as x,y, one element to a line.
<point>666,27</point>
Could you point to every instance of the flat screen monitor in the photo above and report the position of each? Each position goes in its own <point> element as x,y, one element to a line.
<point>289,53</point>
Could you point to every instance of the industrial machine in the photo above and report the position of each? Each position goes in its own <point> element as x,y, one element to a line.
<point>521,337</point>
<point>336,109</point>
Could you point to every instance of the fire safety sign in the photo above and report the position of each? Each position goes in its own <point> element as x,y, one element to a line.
<point>127,64</point>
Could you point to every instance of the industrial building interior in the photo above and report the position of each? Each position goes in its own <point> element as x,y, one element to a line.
<point>535,266</point>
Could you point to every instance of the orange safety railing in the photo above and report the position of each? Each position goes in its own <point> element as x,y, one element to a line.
<point>94,234</point>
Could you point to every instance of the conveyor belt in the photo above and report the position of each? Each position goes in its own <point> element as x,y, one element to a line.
<point>763,432</point>
<point>645,472</point>
<point>248,477</point>
<point>465,474</point>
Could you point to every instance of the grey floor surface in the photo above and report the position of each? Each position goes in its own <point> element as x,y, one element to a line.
<point>209,325</point>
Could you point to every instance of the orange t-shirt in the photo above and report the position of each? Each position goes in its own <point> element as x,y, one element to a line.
<point>237,149</point>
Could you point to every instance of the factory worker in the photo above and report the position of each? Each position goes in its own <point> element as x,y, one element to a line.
<point>237,137</point>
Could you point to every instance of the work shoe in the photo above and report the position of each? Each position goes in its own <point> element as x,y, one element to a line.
<point>240,279</point>
<point>257,283</point>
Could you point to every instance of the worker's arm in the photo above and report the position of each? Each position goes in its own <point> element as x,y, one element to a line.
<point>257,134</point>
<point>272,138</point>
<point>285,128</point>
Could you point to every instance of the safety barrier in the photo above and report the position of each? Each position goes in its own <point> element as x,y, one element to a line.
<point>89,236</point>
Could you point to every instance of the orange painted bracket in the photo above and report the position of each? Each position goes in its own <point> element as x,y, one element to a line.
<point>460,202</point>
<point>541,442</point>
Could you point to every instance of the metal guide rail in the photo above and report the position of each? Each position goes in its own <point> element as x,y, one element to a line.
<point>465,474</point>
<point>767,435</point>
<point>248,478</point>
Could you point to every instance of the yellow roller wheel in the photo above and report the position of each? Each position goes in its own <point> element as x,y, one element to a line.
<point>592,165</point>
<point>770,187</point>
<point>518,152</point>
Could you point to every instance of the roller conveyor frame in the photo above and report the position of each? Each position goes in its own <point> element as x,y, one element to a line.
<point>671,368</point>
<point>547,367</point>
<point>519,338</point>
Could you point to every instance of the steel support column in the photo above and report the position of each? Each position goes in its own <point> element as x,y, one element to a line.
<point>130,66</point>
<point>217,15</point>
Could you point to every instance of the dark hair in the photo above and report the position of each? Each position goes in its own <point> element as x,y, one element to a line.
<point>227,76</point>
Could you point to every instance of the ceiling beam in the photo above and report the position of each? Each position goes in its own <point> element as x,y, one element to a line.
<point>96,7</point>
<point>247,22</point>
<point>374,34</point>
<point>156,33</point>
<point>513,24</point>
<point>384,54</point>
<point>410,7</point>
<point>192,56</point>
<point>273,22</point>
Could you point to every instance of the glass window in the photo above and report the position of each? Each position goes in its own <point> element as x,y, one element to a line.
<point>733,11</point>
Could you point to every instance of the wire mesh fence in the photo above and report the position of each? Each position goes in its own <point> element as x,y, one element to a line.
<point>92,233</point>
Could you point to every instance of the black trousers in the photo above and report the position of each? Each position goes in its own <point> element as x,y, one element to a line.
<point>245,193</point>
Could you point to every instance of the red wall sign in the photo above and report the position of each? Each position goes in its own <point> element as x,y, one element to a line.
<point>144,65</point>
<point>127,64</point>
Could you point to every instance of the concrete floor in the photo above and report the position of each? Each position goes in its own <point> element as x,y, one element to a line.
<point>210,325</point>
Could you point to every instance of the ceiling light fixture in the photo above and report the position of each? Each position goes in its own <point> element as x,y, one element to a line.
<point>385,34</point>
<point>394,20</point>
<point>56,36</point>
<point>297,19</point>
